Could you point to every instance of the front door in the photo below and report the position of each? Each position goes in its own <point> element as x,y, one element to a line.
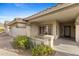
<point>67,31</point>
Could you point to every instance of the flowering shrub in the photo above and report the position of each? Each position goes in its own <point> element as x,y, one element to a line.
<point>21,42</point>
<point>42,50</point>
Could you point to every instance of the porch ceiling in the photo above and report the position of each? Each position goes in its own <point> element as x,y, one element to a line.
<point>64,15</point>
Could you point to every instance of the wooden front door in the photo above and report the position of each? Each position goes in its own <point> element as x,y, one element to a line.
<point>67,31</point>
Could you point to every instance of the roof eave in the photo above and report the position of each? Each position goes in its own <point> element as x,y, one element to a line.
<point>32,17</point>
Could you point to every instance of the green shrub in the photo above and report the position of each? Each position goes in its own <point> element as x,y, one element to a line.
<point>21,42</point>
<point>1,30</point>
<point>42,50</point>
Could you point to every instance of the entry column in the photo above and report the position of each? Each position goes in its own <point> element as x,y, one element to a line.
<point>56,29</point>
<point>77,29</point>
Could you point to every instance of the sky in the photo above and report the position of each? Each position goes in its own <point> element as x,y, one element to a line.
<point>9,11</point>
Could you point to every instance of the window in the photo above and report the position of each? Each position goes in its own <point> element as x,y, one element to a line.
<point>45,29</point>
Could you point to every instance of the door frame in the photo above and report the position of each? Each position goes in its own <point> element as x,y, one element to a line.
<point>69,31</point>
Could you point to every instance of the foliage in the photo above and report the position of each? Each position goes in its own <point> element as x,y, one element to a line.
<point>21,42</point>
<point>1,30</point>
<point>42,50</point>
<point>24,42</point>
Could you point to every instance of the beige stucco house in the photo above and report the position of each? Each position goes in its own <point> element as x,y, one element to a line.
<point>61,21</point>
<point>17,27</point>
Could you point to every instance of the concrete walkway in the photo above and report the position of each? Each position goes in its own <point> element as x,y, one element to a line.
<point>6,48</point>
<point>66,47</point>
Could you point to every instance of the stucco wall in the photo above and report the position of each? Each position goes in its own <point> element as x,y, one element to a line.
<point>57,30</point>
<point>15,31</point>
<point>54,27</point>
<point>77,29</point>
<point>34,30</point>
<point>77,33</point>
<point>28,30</point>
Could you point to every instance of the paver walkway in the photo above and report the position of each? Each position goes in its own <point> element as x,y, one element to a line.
<point>6,48</point>
<point>66,47</point>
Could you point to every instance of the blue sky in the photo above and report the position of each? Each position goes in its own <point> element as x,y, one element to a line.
<point>8,11</point>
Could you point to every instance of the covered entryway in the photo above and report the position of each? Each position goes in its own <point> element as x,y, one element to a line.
<point>67,30</point>
<point>62,20</point>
